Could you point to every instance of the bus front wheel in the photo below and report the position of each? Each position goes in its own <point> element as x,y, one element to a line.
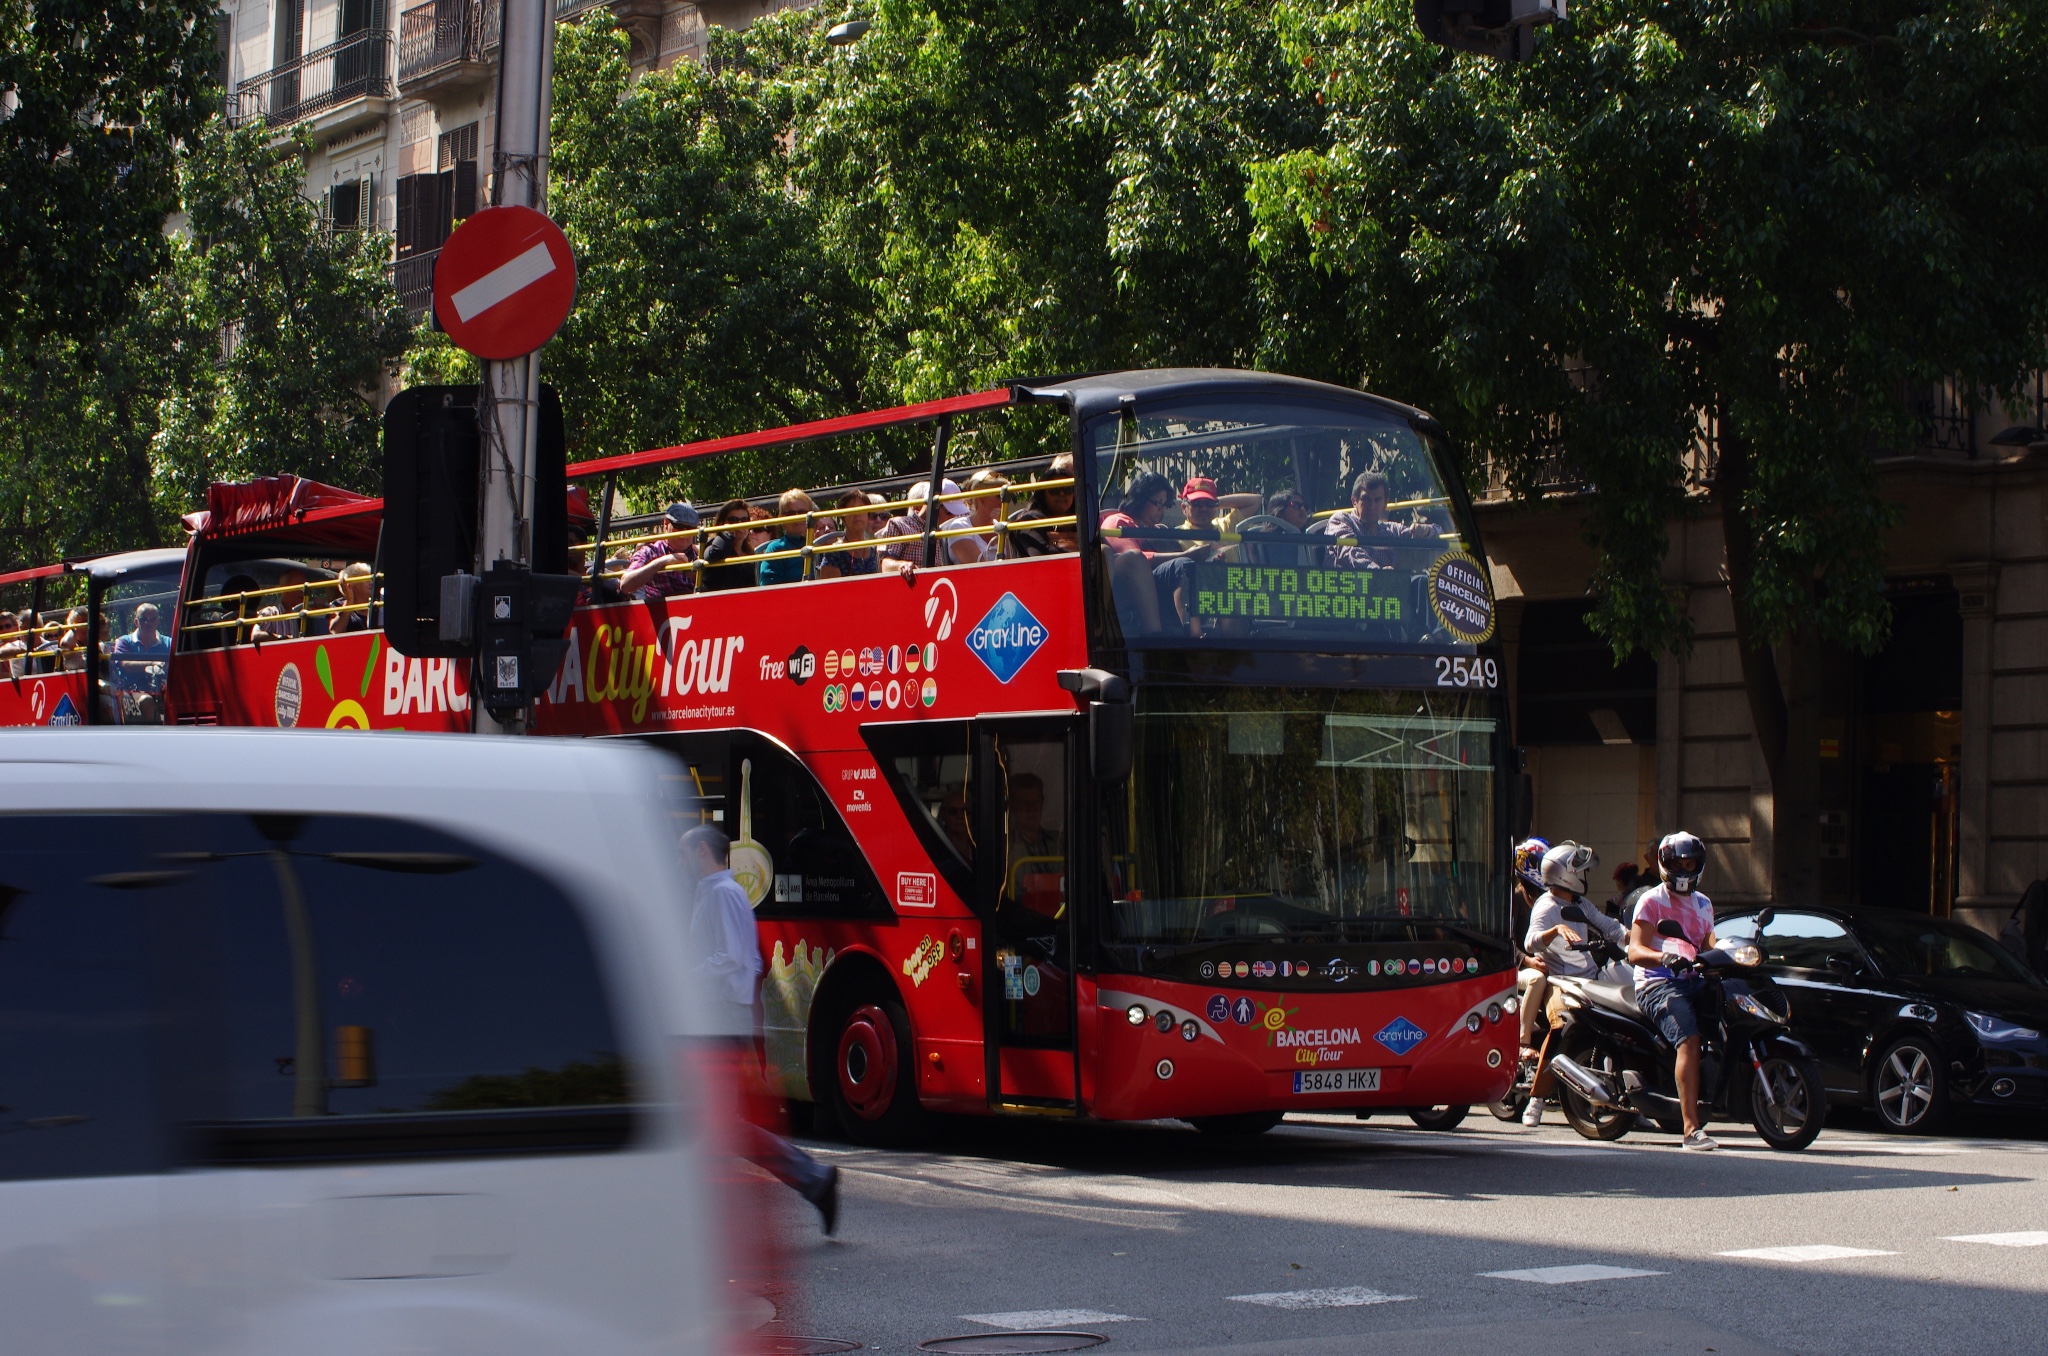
<point>873,1088</point>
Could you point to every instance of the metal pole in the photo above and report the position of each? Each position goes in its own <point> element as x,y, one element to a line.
<point>509,410</point>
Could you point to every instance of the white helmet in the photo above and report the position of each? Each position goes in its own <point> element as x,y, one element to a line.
<point>1681,860</point>
<point>1567,865</point>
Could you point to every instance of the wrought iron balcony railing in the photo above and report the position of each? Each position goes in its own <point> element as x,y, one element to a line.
<point>413,276</point>
<point>357,67</point>
<point>441,34</point>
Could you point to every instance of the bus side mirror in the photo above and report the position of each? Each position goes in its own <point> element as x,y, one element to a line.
<point>1111,735</point>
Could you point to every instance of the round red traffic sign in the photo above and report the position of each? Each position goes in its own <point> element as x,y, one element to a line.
<point>504,282</point>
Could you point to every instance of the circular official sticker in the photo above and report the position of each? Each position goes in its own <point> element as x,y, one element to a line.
<point>1372,967</point>
<point>1244,969</point>
<point>895,659</point>
<point>913,656</point>
<point>831,663</point>
<point>930,691</point>
<point>895,694</point>
<point>1461,596</point>
<point>1031,981</point>
<point>1414,966</point>
<point>860,696</point>
<point>931,656</point>
<point>846,662</point>
<point>287,697</point>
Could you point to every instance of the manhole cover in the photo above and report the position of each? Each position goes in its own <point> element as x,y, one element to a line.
<point>1013,1343</point>
<point>784,1345</point>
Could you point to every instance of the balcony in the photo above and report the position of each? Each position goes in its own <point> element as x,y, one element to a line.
<point>447,45</point>
<point>338,88</point>
<point>413,276</point>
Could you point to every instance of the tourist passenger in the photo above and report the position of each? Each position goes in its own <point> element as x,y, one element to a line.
<point>647,570</point>
<point>21,638</point>
<point>953,821</point>
<point>284,619</point>
<point>905,532</point>
<point>722,570</point>
<point>1289,507</point>
<point>1367,519</point>
<point>981,513</point>
<point>1046,504</point>
<point>1133,569</point>
<point>139,656</point>
<point>790,568</point>
<point>355,600</point>
<point>855,524</point>
<point>72,643</point>
<point>1175,576</point>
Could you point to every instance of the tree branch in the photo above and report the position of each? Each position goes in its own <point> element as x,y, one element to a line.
<point>1759,666</point>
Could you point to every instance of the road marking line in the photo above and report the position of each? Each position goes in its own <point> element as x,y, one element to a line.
<point>502,281</point>
<point>1569,1275</point>
<point>1341,1297</point>
<point>1806,1252</point>
<point>2031,1238</point>
<point>1047,1318</point>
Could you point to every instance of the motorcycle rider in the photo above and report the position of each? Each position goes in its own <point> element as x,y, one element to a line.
<point>1527,887</point>
<point>1552,937</point>
<point>1666,983</point>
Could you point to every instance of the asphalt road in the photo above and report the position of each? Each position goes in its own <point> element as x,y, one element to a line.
<point>1332,1235</point>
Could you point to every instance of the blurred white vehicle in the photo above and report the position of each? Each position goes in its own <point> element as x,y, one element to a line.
<point>353,1045</point>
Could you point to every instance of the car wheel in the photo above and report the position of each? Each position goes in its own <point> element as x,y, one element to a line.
<point>1909,1087</point>
<point>873,1088</point>
<point>1243,1123</point>
<point>1438,1117</point>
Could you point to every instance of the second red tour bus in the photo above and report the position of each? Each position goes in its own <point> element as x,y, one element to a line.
<point>1181,798</point>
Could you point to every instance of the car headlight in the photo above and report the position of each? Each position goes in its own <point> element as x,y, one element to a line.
<point>1757,1008</point>
<point>1990,1028</point>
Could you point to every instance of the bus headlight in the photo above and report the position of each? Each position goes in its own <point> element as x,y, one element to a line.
<point>1163,1020</point>
<point>1472,1022</point>
<point>1136,1012</point>
<point>1493,1013</point>
<point>1511,1005</point>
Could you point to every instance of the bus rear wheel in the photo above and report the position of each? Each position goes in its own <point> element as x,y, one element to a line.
<point>873,1087</point>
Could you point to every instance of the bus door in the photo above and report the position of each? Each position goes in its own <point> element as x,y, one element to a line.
<point>1025,815</point>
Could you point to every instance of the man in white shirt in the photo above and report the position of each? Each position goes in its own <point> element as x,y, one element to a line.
<point>728,951</point>
<point>1554,939</point>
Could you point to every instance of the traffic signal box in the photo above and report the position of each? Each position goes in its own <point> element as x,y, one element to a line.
<point>512,619</point>
<point>522,620</point>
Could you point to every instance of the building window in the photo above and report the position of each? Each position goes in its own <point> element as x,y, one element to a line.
<point>429,205</point>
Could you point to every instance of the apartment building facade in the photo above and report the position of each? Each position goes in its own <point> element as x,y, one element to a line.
<point>399,98</point>
<point>1933,753</point>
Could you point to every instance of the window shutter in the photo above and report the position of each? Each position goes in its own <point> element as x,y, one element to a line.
<point>465,189</point>
<point>407,225</point>
<point>443,209</point>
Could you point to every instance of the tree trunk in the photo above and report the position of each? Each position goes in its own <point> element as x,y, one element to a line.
<point>1784,700</point>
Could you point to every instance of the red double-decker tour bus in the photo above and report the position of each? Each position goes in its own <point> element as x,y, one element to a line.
<point>1159,775</point>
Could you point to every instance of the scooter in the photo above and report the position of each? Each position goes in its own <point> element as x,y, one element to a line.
<point>1615,1069</point>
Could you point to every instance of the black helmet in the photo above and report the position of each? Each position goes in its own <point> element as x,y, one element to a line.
<point>1681,860</point>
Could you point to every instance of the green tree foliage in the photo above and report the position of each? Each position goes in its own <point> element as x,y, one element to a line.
<point>95,98</point>
<point>303,322</point>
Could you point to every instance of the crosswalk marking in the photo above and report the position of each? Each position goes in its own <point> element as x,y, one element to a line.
<point>1569,1275</point>
<point>1807,1252</point>
<point>2030,1238</point>
<point>1341,1297</point>
<point>1047,1318</point>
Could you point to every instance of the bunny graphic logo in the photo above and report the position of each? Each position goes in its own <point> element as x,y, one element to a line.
<point>1006,638</point>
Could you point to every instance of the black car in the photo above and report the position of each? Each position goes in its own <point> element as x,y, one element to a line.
<point>1910,1015</point>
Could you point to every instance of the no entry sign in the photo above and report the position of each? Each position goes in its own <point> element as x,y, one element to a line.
<point>504,282</point>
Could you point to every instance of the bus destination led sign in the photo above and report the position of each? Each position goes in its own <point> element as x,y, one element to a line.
<point>1286,593</point>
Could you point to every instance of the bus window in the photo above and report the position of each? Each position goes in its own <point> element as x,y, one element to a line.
<point>137,611</point>
<point>1277,523</point>
<point>1303,813</point>
<point>929,765</point>
<point>791,851</point>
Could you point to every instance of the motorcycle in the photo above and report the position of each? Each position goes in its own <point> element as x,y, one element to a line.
<point>1511,1106</point>
<point>1615,1069</point>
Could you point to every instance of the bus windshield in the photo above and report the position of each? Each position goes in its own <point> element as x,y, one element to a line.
<point>1336,815</point>
<point>1283,524</point>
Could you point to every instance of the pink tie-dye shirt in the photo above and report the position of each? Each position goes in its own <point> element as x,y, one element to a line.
<point>1694,914</point>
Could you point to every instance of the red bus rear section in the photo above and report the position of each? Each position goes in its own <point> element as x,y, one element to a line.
<point>1201,819</point>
